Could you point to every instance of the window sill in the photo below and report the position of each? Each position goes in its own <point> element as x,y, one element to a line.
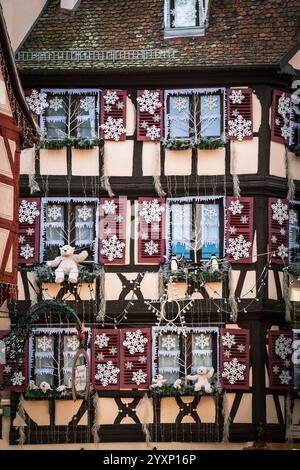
<point>170,33</point>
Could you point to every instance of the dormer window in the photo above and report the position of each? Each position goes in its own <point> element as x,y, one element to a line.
<point>184,18</point>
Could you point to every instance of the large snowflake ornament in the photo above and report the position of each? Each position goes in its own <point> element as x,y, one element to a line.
<point>151,211</point>
<point>239,247</point>
<point>54,212</point>
<point>168,342</point>
<point>151,248</point>
<point>285,131</point>
<point>135,341</point>
<point>112,248</point>
<point>44,343</point>
<point>139,377</point>
<point>37,102</point>
<point>202,341</point>
<point>283,346</point>
<point>28,212</point>
<point>149,102</point>
<point>102,340</point>
<point>17,379</point>
<point>284,105</point>
<point>236,96</point>
<point>180,103</point>
<point>26,251</point>
<point>111,97</point>
<point>107,374</point>
<point>280,211</point>
<point>113,128</point>
<point>293,217</point>
<point>153,132</point>
<point>109,207</point>
<point>236,207</point>
<point>84,213</point>
<point>87,103</point>
<point>233,371</point>
<point>282,251</point>
<point>228,340</point>
<point>239,127</point>
<point>56,103</point>
<point>285,377</point>
<point>73,343</point>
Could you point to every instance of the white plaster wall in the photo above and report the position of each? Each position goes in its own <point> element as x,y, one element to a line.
<point>65,410</point>
<point>53,162</point>
<point>249,284</point>
<point>272,292</point>
<point>85,162</point>
<point>211,162</point>
<point>5,168</point>
<point>130,117</point>
<point>244,156</point>
<point>295,61</point>
<point>277,159</point>
<point>244,412</point>
<point>118,158</point>
<point>27,161</point>
<point>7,201</point>
<point>178,162</point>
<point>256,106</point>
<point>4,101</point>
<point>151,158</point>
<point>271,409</point>
<point>3,239</point>
<point>32,293</point>
<point>148,287</point>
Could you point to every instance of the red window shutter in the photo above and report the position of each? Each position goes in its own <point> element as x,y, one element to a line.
<point>105,357</point>
<point>281,116</point>
<point>239,229</point>
<point>281,372</point>
<point>10,374</point>
<point>239,109</point>
<point>278,230</point>
<point>113,107</point>
<point>151,233</point>
<point>234,354</point>
<point>29,230</point>
<point>113,229</point>
<point>135,364</point>
<point>150,118</point>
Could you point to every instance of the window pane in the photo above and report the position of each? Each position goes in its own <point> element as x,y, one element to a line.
<point>179,116</point>
<point>184,13</point>
<point>83,120</point>
<point>201,350</point>
<point>207,230</point>
<point>297,366</point>
<point>181,229</point>
<point>168,357</point>
<point>294,234</point>
<point>56,116</point>
<point>210,116</point>
<point>44,359</point>
<point>71,344</point>
<point>54,224</point>
<point>84,225</point>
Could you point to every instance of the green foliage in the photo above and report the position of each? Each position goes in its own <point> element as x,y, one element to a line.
<point>208,144</point>
<point>188,390</point>
<point>201,276</point>
<point>46,274</point>
<point>80,143</point>
<point>38,394</point>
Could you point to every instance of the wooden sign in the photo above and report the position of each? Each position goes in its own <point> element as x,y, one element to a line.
<point>81,374</point>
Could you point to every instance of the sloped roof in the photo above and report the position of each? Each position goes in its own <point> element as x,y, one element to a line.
<point>240,33</point>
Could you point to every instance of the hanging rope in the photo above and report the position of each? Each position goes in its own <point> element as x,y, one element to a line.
<point>227,419</point>
<point>21,413</point>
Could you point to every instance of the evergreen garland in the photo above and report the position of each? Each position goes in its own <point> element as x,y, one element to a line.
<point>188,390</point>
<point>204,144</point>
<point>81,143</point>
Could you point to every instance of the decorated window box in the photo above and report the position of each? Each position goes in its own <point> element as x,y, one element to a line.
<point>202,144</point>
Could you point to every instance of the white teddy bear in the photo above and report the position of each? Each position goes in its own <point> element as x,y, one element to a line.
<point>177,384</point>
<point>159,381</point>
<point>66,264</point>
<point>201,379</point>
<point>45,387</point>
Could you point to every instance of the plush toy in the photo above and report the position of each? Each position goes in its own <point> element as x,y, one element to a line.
<point>177,384</point>
<point>45,387</point>
<point>66,264</point>
<point>159,381</point>
<point>61,388</point>
<point>32,385</point>
<point>201,379</point>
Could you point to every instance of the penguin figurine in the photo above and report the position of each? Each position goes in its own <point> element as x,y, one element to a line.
<point>214,265</point>
<point>174,263</point>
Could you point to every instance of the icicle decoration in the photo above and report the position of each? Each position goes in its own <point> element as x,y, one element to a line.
<point>146,406</point>
<point>104,180</point>
<point>290,179</point>
<point>288,417</point>
<point>158,187</point>
<point>33,184</point>
<point>232,301</point>
<point>236,186</point>
<point>96,426</point>
<point>102,309</point>
<point>285,294</point>
<point>161,286</point>
<point>227,420</point>
<point>21,413</point>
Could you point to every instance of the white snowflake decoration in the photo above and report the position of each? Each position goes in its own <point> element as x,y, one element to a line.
<point>228,340</point>
<point>180,103</point>
<point>244,219</point>
<point>227,353</point>
<point>236,207</point>
<point>235,113</point>
<point>113,128</point>
<point>202,341</point>
<point>285,131</point>
<point>17,379</point>
<point>113,351</point>
<point>238,247</point>
<point>135,341</point>
<point>100,357</point>
<point>285,377</point>
<point>107,374</point>
<point>119,218</point>
<point>210,212</point>
<point>87,103</point>
<point>56,103</point>
<point>151,248</point>
<point>84,213</point>
<point>151,211</point>
<point>28,212</point>
<point>153,132</point>
<point>144,124</point>
<point>239,127</point>
<point>241,348</point>
<point>102,340</point>
<point>120,105</point>
<point>44,343</point>
<point>275,369</point>
<point>37,102</point>
<point>287,363</point>
<point>107,108</point>
<point>284,105</point>
<point>274,239</point>
<point>282,231</point>
<point>73,343</point>
<point>168,342</point>
<point>128,365</point>
<point>139,377</point>
<point>156,118</point>
<point>293,217</point>
<point>111,97</point>
<point>232,230</point>
<point>21,239</point>
<point>27,251</point>
<point>30,231</point>
<point>7,369</point>
<point>211,102</point>
<point>280,212</point>
<point>54,212</point>
<point>149,102</point>
<point>142,359</point>
<point>112,248</point>
<point>107,232</point>
<point>144,236</point>
<point>236,96</point>
<point>109,207</point>
<point>283,346</point>
<point>233,371</point>
<point>282,251</point>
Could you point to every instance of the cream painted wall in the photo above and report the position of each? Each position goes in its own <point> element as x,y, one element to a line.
<point>53,162</point>
<point>178,162</point>
<point>113,285</point>
<point>85,162</point>
<point>244,156</point>
<point>272,292</point>
<point>5,168</point>
<point>295,61</point>
<point>4,101</point>
<point>249,283</point>
<point>27,161</point>
<point>271,409</point>
<point>130,117</point>
<point>151,158</point>
<point>206,410</point>
<point>20,16</point>
<point>211,162</point>
<point>118,158</point>
<point>244,412</point>
<point>256,106</point>
<point>7,201</point>
<point>277,160</point>
<point>3,239</point>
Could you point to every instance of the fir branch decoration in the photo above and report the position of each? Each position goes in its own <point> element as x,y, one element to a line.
<point>188,390</point>
<point>203,144</point>
<point>45,274</point>
<point>80,143</point>
<point>201,276</point>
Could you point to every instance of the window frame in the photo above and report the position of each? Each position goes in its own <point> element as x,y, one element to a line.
<point>184,31</point>
<point>294,252</point>
<point>296,368</point>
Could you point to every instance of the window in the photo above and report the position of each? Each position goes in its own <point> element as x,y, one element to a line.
<point>178,355</point>
<point>295,129</point>
<point>69,221</point>
<point>196,228</point>
<point>70,114</point>
<point>295,359</point>
<point>52,354</point>
<point>184,18</point>
<point>194,115</point>
<point>294,240</point>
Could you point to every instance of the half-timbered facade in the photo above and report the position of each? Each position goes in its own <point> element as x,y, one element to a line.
<point>170,153</point>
